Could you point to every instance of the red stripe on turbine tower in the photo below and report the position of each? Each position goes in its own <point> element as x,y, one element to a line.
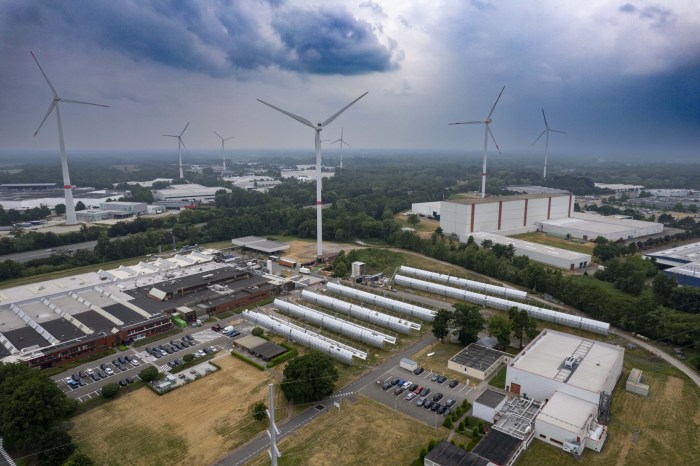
<point>67,186</point>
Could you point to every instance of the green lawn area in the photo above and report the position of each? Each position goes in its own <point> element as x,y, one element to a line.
<point>499,380</point>
<point>542,238</point>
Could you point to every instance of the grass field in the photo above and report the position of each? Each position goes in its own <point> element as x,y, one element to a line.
<point>195,424</point>
<point>361,433</point>
<point>541,238</point>
<point>661,429</point>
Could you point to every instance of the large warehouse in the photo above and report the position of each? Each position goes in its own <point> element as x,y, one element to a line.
<point>588,227</point>
<point>556,361</point>
<point>176,195</point>
<point>515,213</point>
<point>681,262</point>
<point>556,257</point>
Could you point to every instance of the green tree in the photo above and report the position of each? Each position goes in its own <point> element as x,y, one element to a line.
<point>468,322</point>
<point>80,206</point>
<point>55,448</point>
<point>110,390</point>
<point>188,357</point>
<point>30,405</point>
<point>258,332</point>
<point>413,220</point>
<point>441,324</point>
<point>522,324</point>
<point>500,327</point>
<point>309,377</point>
<point>259,411</point>
<point>149,374</point>
<point>60,209</point>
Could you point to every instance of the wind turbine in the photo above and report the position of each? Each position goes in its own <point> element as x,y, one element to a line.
<point>341,141</point>
<point>546,132</point>
<point>318,127</point>
<point>180,143</point>
<point>71,219</point>
<point>487,133</point>
<point>223,156</point>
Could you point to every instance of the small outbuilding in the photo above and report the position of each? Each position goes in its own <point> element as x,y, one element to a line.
<point>447,454</point>
<point>488,404</point>
<point>477,361</point>
<point>635,383</point>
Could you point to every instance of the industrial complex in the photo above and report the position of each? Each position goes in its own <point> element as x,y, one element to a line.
<point>681,262</point>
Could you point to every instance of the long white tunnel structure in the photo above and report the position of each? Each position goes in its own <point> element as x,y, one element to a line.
<point>354,310</point>
<point>380,301</point>
<point>557,317</point>
<point>335,349</point>
<point>495,290</point>
<point>354,331</point>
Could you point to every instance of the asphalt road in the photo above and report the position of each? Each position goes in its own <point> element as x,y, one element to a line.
<point>44,253</point>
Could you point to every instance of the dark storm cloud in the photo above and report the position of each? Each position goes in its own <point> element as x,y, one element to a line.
<point>658,15</point>
<point>330,42</point>
<point>213,38</point>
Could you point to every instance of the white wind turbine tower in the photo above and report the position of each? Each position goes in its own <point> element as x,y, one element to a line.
<point>71,219</point>
<point>318,127</point>
<point>223,140</point>
<point>341,141</point>
<point>180,143</point>
<point>487,133</point>
<point>546,132</point>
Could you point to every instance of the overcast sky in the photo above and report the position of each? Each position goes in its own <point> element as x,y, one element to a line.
<point>621,77</point>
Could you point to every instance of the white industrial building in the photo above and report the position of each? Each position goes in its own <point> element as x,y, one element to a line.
<point>188,193</point>
<point>570,423</point>
<point>570,364</point>
<point>518,213</point>
<point>549,255</point>
<point>589,226</point>
<point>620,188</point>
<point>427,209</point>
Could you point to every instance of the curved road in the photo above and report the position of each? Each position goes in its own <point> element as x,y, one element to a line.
<point>43,253</point>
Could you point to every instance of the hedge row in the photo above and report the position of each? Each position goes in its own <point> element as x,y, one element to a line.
<point>291,352</point>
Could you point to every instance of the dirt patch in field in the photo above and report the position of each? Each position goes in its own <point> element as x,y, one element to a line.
<point>624,449</point>
<point>305,251</point>
<point>674,389</point>
<point>195,424</point>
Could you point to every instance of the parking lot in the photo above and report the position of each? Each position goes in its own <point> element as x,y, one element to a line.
<point>399,402</point>
<point>163,354</point>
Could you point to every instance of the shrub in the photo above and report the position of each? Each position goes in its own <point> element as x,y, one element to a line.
<point>480,427</point>
<point>466,421</point>
<point>461,426</point>
<point>432,444</point>
<point>475,433</point>
<point>259,411</point>
<point>149,374</point>
<point>423,453</point>
<point>258,331</point>
<point>188,357</point>
<point>447,423</point>
<point>109,390</point>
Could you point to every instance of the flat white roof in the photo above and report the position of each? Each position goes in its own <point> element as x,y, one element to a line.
<point>687,252</point>
<point>545,355</point>
<point>528,246</point>
<point>567,412</point>
<point>598,223</point>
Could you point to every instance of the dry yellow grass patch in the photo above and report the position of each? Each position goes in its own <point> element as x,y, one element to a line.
<point>305,250</point>
<point>674,389</point>
<point>361,433</point>
<point>195,424</point>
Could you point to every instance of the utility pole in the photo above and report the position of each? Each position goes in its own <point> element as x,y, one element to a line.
<point>273,432</point>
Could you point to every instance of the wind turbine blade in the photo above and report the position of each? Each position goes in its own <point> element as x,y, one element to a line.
<point>466,123</point>
<point>329,120</point>
<point>557,131</point>
<point>343,142</point>
<point>301,120</point>
<point>232,137</point>
<point>488,128</point>
<point>171,135</point>
<point>337,140</point>
<point>53,89</point>
<point>496,103</point>
<point>183,131</point>
<point>546,125</point>
<point>218,135</point>
<point>183,144</point>
<point>538,137</point>
<point>81,102</point>
<point>53,104</point>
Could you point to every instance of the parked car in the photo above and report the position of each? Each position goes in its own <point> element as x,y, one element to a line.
<point>394,382</point>
<point>420,401</point>
<point>435,406</point>
<point>109,371</point>
<point>122,360</point>
<point>89,371</point>
<point>442,409</point>
<point>115,362</point>
<point>94,376</point>
<point>135,362</point>
<point>399,391</point>
<point>386,386</point>
<point>103,366</point>
<point>168,350</point>
<point>418,389</point>
<point>82,374</point>
<point>182,376</point>
<point>441,379</point>
<point>437,397</point>
<point>447,411</point>
<point>413,387</point>
<point>407,384</point>
<point>425,391</point>
<point>449,403</point>
<point>189,337</point>
<point>427,404</point>
<point>129,380</point>
<point>411,396</point>
<point>418,371</point>
<point>102,374</point>
<point>123,382</point>
<point>128,358</point>
<point>453,383</point>
<point>434,377</point>
<point>75,377</point>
